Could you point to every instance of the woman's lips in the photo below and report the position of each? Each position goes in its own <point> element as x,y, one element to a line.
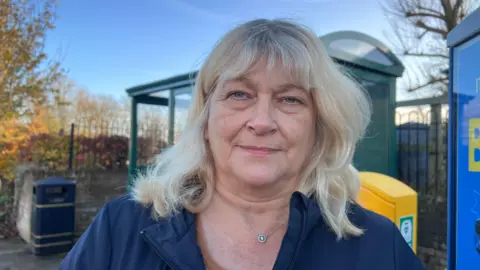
<point>259,151</point>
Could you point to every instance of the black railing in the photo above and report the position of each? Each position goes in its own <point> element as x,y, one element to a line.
<point>93,145</point>
<point>106,145</point>
<point>422,149</point>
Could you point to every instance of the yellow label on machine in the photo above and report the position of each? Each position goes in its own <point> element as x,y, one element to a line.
<point>474,145</point>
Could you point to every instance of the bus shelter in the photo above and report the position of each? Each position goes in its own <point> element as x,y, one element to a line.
<point>464,145</point>
<point>366,59</point>
<point>377,70</point>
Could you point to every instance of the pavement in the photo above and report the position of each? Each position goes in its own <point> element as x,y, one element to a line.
<point>15,254</point>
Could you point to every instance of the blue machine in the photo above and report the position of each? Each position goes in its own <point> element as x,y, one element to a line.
<point>53,216</point>
<point>464,145</point>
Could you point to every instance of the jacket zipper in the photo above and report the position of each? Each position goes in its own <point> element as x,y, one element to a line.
<point>157,250</point>
<point>299,244</point>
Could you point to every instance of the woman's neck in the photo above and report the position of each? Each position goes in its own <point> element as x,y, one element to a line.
<point>228,228</point>
<point>246,203</point>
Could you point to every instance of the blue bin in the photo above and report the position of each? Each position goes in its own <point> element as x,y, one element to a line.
<point>53,216</point>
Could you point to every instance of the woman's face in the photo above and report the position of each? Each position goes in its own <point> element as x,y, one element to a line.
<point>261,128</point>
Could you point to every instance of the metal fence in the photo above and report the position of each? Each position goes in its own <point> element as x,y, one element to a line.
<point>106,145</point>
<point>94,145</point>
<point>422,147</point>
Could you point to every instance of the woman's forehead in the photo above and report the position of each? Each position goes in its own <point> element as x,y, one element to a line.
<point>278,76</point>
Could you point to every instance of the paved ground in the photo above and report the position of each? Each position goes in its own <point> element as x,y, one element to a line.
<point>16,255</point>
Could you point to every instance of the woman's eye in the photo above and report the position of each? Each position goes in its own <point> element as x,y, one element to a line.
<point>291,100</point>
<point>238,95</point>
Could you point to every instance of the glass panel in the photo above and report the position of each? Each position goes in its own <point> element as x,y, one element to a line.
<point>163,94</point>
<point>152,132</point>
<point>183,99</point>
<point>362,50</point>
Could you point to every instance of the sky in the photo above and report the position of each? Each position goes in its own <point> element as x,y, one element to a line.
<point>108,46</point>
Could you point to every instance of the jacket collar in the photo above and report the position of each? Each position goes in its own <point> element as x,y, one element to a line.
<point>174,238</point>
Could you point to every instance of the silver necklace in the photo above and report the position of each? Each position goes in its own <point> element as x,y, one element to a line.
<point>262,237</point>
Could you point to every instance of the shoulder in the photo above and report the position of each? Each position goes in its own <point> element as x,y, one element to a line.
<point>381,235</point>
<point>370,221</point>
<point>122,202</point>
<point>376,227</point>
<point>378,231</point>
<point>125,206</point>
<point>125,214</point>
<point>114,231</point>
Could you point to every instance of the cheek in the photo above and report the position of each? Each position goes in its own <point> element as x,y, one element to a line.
<point>223,124</point>
<point>309,127</point>
<point>301,127</point>
<point>301,133</point>
<point>311,131</point>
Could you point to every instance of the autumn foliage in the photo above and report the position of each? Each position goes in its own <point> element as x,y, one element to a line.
<point>27,77</point>
<point>27,74</point>
<point>15,135</point>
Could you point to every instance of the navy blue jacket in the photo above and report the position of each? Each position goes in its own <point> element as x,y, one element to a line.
<point>124,236</point>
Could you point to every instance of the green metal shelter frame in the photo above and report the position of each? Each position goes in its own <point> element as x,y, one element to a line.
<point>366,59</point>
<point>376,68</point>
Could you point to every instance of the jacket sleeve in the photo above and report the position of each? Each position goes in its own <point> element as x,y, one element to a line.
<point>405,258</point>
<point>93,249</point>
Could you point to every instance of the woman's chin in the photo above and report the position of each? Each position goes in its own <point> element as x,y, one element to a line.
<point>258,179</point>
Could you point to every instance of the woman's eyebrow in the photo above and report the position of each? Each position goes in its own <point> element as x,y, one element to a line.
<point>281,88</point>
<point>286,87</point>
<point>246,81</point>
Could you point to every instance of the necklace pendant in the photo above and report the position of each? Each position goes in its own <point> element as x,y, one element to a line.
<point>262,238</point>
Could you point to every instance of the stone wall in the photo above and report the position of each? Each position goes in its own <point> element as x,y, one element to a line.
<point>93,189</point>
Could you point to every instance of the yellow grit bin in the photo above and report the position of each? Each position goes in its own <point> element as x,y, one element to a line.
<point>393,199</point>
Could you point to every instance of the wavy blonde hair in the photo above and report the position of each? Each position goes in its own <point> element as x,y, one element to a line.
<point>182,176</point>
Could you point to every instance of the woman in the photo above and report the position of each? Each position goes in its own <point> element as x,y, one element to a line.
<point>261,177</point>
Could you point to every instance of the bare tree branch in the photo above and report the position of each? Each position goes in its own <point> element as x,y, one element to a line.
<point>423,14</point>
<point>428,55</point>
<point>457,7</point>
<point>429,82</point>
<point>419,29</point>
<point>420,7</point>
<point>428,28</point>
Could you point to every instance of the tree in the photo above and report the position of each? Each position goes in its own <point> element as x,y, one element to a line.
<point>28,77</point>
<point>96,109</point>
<point>420,29</point>
<point>26,72</point>
<point>14,135</point>
<point>61,101</point>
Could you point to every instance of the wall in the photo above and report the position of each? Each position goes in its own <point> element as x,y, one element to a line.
<point>432,232</point>
<point>94,189</point>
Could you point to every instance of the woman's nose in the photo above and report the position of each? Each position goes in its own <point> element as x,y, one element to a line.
<point>262,120</point>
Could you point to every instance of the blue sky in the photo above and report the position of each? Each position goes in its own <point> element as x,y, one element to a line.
<point>108,46</point>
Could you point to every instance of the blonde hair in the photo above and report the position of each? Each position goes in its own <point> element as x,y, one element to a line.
<point>182,176</point>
